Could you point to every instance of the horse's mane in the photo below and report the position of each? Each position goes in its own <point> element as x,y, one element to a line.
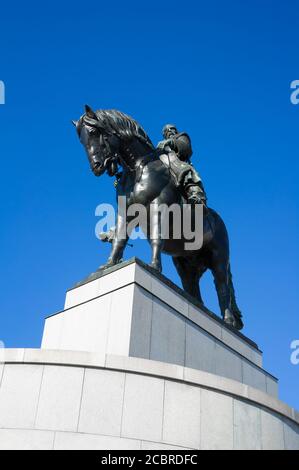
<point>122,125</point>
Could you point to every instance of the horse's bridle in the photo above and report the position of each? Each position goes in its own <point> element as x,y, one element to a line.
<point>108,153</point>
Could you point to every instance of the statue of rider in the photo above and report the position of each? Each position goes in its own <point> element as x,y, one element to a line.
<point>175,152</point>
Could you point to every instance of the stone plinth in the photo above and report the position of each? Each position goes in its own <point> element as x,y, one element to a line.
<point>77,400</point>
<point>132,362</point>
<point>131,311</point>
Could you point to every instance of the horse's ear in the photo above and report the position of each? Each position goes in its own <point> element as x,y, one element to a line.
<point>90,113</point>
<point>75,123</point>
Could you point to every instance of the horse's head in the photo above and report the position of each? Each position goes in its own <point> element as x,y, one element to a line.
<point>101,145</point>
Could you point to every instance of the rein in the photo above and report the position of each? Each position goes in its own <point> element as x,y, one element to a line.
<point>143,161</point>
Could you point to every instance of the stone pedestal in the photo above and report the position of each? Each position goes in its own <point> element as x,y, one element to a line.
<point>131,311</point>
<point>132,362</point>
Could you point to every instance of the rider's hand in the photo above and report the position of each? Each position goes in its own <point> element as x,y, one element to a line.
<point>167,143</point>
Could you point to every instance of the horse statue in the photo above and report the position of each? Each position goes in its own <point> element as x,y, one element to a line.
<point>112,140</point>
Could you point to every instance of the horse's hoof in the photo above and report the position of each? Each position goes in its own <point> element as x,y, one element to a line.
<point>229,318</point>
<point>156,267</point>
<point>232,320</point>
<point>238,324</point>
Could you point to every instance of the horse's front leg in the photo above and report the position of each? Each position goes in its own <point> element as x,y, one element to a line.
<point>156,238</point>
<point>119,241</point>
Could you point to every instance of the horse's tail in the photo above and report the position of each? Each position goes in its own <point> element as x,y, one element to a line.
<point>233,302</point>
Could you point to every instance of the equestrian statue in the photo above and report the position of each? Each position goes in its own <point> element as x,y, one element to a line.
<point>156,176</point>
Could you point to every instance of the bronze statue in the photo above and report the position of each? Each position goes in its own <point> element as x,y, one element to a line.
<point>112,140</point>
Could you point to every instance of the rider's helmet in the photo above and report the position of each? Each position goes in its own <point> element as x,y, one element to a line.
<point>169,130</point>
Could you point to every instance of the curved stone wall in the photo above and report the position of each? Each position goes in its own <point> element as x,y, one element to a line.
<point>74,400</point>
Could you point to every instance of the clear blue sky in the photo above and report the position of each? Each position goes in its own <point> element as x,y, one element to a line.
<point>219,70</point>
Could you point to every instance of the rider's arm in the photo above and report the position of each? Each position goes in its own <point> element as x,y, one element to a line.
<point>183,146</point>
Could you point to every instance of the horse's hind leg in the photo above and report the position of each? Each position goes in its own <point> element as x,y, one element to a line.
<point>189,276</point>
<point>225,292</point>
